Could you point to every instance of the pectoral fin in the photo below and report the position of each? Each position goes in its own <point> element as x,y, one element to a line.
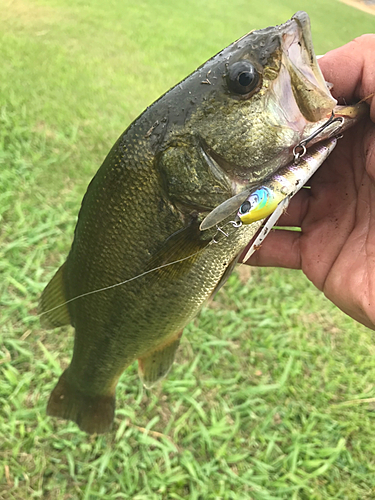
<point>52,305</point>
<point>180,250</point>
<point>157,364</point>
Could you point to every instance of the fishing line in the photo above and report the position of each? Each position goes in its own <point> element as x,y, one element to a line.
<point>109,287</point>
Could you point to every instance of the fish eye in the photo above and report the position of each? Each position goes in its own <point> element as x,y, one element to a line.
<point>245,207</point>
<point>242,77</point>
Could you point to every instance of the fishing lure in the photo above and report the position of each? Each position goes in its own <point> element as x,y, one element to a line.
<point>286,182</point>
<point>274,195</point>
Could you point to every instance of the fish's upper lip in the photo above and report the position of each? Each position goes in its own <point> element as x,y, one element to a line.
<point>297,45</point>
<point>305,78</point>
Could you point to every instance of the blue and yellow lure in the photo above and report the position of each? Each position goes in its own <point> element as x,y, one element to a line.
<point>258,203</point>
<point>285,183</point>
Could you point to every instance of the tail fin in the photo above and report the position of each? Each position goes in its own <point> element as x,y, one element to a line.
<point>93,414</point>
<point>52,305</point>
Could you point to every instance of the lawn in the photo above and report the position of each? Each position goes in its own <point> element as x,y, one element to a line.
<point>272,395</point>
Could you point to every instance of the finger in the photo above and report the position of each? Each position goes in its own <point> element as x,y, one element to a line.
<point>297,209</point>
<point>351,70</point>
<point>281,248</point>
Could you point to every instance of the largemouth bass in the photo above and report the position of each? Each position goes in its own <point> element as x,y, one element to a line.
<point>140,268</point>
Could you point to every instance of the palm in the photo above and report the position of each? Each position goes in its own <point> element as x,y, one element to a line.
<point>337,244</point>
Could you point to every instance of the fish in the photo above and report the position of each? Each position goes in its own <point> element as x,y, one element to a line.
<point>140,267</point>
<point>284,183</point>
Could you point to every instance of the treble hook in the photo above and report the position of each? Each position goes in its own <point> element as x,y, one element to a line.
<point>223,232</point>
<point>235,224</point>
<point>219,229</point>
<point>302,144</point>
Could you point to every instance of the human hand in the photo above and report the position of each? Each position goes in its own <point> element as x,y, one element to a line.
<point>336,246</point>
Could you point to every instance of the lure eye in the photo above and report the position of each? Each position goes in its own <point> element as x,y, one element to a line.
<point>242,77</point>
<point>245,207</point>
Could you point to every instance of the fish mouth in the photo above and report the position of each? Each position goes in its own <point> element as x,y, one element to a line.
<point>306,97</point>
<point>311,94</point>
<point>307,101</point>
<point>308,85</point>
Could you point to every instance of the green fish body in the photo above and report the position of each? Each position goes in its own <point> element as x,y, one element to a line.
<point>227,126</point>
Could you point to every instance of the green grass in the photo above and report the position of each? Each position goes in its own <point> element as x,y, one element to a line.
<point>272,395</point>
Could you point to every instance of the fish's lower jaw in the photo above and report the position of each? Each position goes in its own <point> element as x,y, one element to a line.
<point>92,414</point>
